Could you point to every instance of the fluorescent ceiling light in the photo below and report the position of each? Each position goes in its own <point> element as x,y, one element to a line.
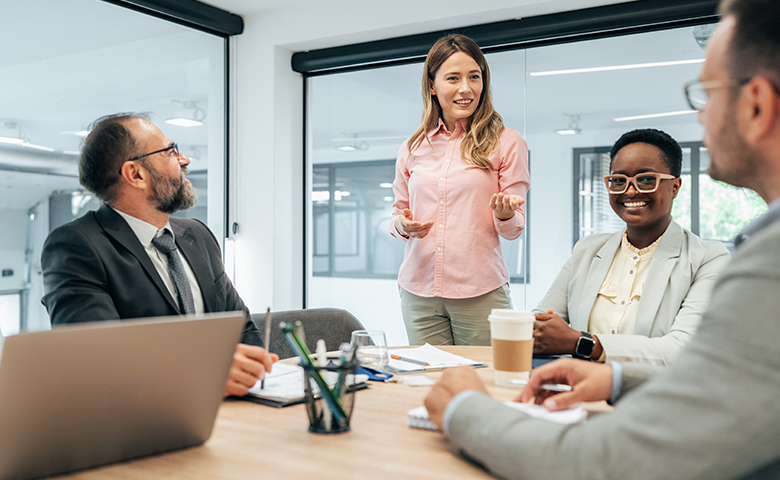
<point>654,115</point>
<point>346,148</point>
<point>80,133</point>
<point>71,152</point>
<point>37,147</point>
<point>387,199</point>
<point>567,131</point>
<point>22,143</point>
<point>616,67</point>
<point>11,140</point>
<point>386,185</point>
<point>184,122</point>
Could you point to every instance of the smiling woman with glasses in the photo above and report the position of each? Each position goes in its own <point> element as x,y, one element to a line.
<point>638,294</point>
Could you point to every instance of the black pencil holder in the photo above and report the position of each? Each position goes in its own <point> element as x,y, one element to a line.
<point>331,414</point>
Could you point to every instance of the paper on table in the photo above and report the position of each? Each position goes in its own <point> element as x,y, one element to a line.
<point>284,385</point>
<point>418,417</point>
<point>437,359</point>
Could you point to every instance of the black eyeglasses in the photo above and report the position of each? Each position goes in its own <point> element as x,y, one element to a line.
<point>174,149</point>
<point>643,182</point>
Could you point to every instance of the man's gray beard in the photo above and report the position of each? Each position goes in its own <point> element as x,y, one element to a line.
<point>172,194</point>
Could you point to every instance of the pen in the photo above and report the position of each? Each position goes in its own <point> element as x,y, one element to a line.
<point>266,339</point>
<point>553,387</point>
<point>410,360</point>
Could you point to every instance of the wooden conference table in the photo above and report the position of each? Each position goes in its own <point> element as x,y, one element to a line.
<point>257,441</point>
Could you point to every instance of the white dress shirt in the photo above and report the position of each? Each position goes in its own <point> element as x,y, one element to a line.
<point>146,232</point>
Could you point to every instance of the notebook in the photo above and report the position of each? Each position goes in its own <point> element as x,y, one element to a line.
<point>418,417</point>
<point>284,386</point>
<point>90,394</point>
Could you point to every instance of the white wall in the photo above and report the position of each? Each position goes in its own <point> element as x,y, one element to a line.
<point>267,118</point>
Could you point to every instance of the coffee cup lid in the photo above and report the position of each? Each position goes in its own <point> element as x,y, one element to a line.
<point>509,315</point>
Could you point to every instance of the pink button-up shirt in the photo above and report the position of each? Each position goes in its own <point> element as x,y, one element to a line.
<point>461,255</point>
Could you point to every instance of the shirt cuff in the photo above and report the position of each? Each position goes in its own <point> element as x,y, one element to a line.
<point>452,406</point>
<point>394,229</point>
<point>510,226</point>
<point>617,381</point>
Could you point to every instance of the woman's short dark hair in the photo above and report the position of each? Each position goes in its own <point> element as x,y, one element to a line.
<point>108,145</point>
<point>671,152</point>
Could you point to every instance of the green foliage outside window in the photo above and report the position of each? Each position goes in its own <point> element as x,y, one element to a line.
<point>723,209</point>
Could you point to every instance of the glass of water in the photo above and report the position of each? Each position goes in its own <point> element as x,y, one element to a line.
<point>371,348</point>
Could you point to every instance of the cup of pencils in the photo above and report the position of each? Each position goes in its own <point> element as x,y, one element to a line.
<point>329,400</point>
<point>329,410</point>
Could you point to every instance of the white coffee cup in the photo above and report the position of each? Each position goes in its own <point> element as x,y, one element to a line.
<point>511,334</point>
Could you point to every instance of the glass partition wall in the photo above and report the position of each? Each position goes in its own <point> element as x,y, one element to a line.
<point>570,101</point>
<point>80,60</point>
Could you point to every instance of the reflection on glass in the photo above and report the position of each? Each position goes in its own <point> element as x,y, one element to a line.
<point>114,60</point>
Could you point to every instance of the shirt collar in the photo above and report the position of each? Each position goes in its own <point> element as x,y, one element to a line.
<point>631,250</point>
<point>442,128</point>
<point>145,232</point>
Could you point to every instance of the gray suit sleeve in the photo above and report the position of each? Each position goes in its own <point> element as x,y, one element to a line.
<point>710,415</point>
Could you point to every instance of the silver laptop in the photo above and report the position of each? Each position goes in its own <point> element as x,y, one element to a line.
<point>85,395</point>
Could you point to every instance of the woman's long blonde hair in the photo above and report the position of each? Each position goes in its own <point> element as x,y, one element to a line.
<point>484,125</point>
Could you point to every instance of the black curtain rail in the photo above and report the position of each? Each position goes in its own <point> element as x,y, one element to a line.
<point>189,13</point>
<point>595,22</point>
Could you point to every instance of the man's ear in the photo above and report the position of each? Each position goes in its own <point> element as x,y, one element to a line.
<point>757,109</point>
<point>134,174</point>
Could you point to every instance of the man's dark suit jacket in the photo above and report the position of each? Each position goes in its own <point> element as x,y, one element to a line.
<point>94,269</point>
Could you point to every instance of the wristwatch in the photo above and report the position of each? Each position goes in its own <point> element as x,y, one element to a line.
<point>585,344</point>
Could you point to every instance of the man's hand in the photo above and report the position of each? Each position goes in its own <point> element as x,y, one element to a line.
<point>591,382</point>
<point>553,336</point>
<point>504,205</point>
<point>250,364</point>
<point>452,382</point>
<point>412,228</point>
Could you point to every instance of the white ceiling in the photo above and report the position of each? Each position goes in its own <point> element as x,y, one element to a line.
<point>384,104</point>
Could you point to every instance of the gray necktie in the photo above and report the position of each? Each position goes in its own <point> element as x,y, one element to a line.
<point>166,245</point>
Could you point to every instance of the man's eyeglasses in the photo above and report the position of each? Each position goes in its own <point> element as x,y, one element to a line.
<point>696,92</point>
<point>642,182</point>
<point>174,149</point>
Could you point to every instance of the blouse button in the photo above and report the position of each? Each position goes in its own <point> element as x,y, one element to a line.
<point>441,226</point>
<point>623,302</point>
<point>613,331</point>
<point>441,202</point>
<point>631,272</point>
<point>441,179</point>
<point>438,249</point>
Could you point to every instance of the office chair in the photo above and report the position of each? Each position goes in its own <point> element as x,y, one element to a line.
<point>333,325</point>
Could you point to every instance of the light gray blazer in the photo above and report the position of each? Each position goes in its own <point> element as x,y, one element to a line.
<point>675,294</point>
<point>713,414</point>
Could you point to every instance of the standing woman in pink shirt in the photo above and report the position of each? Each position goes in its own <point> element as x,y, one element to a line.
<point>460,182</point>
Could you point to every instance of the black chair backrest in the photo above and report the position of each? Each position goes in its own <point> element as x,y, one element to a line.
<point>333,325</point>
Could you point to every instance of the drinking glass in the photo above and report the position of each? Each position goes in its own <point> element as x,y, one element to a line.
<point>371,348</point>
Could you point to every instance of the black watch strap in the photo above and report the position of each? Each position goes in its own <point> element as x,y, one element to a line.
<point>584,347</point>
